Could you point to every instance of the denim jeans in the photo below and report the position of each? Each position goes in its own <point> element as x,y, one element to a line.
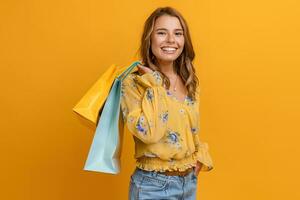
<point>153,185</point>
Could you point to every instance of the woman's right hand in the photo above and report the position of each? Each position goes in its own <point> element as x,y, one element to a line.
<point>143,69</point>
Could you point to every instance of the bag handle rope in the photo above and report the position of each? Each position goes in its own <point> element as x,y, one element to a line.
<point>128,70</point>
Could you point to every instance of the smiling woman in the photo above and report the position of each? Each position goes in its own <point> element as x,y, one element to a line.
<point>160,106</point>
<point>167,38</point>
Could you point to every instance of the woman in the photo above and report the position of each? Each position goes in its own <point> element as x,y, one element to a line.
<point>160,106</point>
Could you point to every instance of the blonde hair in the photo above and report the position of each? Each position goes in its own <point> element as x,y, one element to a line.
<point>183,64</point>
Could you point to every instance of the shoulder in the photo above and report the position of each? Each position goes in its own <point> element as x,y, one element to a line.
<point>151,79</point>
<point>145,80</point>
<point>130,79</point>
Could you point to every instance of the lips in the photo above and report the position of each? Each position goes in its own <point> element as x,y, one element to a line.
<point>168,49</point>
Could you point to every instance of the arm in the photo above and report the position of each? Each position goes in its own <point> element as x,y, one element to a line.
<point>144,106</point>
<point>204,161</point>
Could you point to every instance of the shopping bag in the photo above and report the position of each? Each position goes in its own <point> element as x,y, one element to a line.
<point>90,105</point>
<point>105,151</point>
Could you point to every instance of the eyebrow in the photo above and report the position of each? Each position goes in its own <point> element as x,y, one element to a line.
<point>164,29</point>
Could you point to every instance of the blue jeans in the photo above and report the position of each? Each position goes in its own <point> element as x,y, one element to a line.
<point>152,185</point>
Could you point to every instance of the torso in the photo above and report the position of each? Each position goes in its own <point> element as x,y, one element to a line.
<point>181,90</point>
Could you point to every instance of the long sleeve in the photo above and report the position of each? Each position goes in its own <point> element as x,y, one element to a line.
<point>202,154</point>
<point>201,148</point>
<point>144,106</point>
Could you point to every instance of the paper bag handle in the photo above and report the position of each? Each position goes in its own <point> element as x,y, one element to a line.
<point>128,70</point>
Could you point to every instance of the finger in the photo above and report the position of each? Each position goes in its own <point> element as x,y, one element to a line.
<point>197,171</point>
<point>141,69</point>
<point>140,66</point>
<point>145,69</point>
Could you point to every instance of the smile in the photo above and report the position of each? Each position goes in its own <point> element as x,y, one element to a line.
<point>169,49</point>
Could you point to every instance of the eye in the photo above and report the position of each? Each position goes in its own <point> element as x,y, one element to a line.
<point>179,33</point>
<point>160,33</point>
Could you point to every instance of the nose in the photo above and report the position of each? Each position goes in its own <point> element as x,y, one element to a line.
<point>170,38</point>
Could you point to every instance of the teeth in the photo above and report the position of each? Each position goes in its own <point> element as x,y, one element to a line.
<point>168,49</point>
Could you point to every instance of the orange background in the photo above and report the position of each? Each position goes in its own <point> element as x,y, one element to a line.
<point>247,57</point>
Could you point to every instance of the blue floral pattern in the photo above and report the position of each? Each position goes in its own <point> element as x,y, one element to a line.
<point>164,116</point>
<point>194,130</point>
<point>181,111</point>
<point>132,84</point>
<point>157,77</point>
<point>164,126</point>
<point>189,101</point>
<point>169,93</point>
<point>149,94</point>
<point>173,138</point>
<point>140,126</point>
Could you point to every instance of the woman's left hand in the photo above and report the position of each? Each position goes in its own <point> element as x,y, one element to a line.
<point>198,167</point>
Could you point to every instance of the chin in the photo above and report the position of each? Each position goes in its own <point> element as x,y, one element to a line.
<point>168,58</point>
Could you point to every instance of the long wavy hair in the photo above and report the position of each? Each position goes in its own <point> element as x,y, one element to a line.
<point>183,64</point>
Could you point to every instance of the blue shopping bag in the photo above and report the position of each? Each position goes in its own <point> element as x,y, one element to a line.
<point>105,151</point>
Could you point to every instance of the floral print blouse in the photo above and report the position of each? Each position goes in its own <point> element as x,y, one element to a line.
<point>165,129</point>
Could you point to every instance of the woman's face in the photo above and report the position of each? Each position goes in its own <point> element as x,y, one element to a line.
<point>167,40</point>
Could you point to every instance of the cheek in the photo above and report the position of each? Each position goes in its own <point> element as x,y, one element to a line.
<point>155,45</point>
<point>181,42</point>
<point>156,41</point>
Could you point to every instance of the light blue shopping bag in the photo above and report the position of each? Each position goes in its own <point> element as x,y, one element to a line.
<point>105,151</point>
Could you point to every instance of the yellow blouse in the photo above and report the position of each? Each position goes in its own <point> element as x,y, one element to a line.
<point>165,130</point>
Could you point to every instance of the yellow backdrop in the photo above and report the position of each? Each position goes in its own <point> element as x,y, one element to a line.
<point>247,58</point>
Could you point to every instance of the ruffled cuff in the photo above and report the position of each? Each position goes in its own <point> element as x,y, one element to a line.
<point>202,155</point>
<point>150,79</point>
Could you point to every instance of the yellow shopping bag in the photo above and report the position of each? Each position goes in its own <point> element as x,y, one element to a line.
<point>91,103</point>
<point>103,101</point>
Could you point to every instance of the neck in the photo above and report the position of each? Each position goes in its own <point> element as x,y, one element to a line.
<point>167,68</point>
